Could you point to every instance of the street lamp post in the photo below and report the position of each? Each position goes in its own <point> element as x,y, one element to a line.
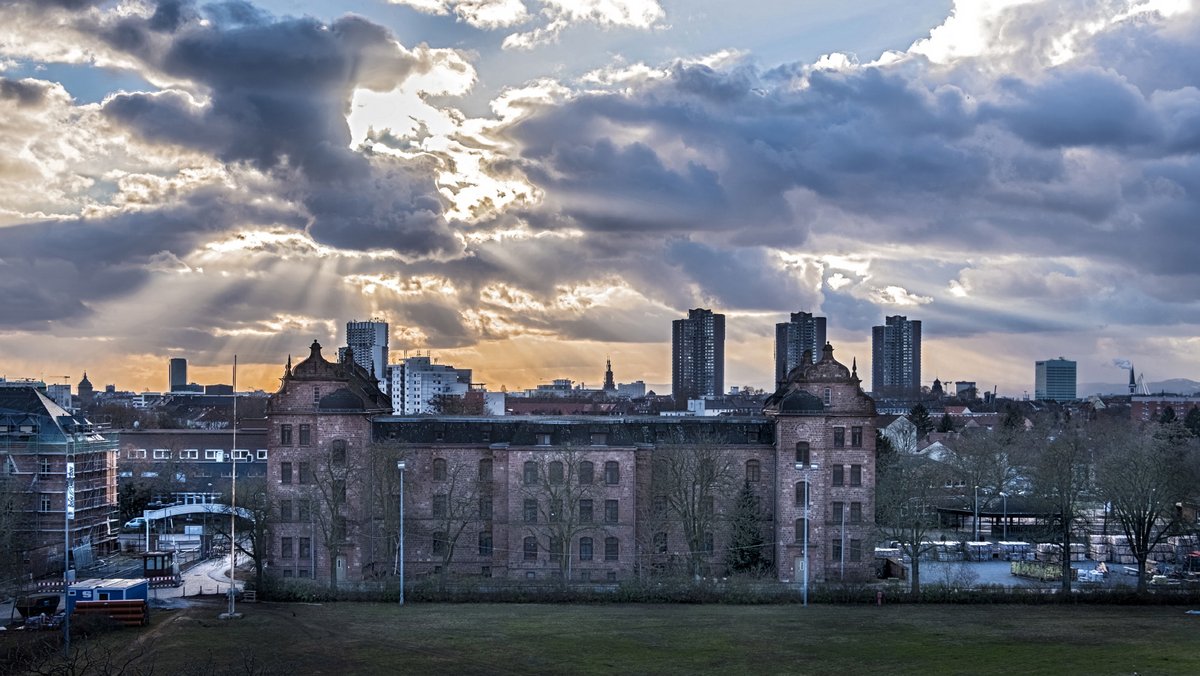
<point>400,546</point>
<point>1005,496</point>
<point>804,471</point>
<point>976,519</point>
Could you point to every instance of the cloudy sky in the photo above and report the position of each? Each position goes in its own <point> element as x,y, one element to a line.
<point>524,187</point>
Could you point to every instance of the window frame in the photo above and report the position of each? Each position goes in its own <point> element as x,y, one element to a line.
<point>612,473</point>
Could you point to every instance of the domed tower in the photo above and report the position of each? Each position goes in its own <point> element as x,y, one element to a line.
<point>86,392</point>
<point>825,449</point>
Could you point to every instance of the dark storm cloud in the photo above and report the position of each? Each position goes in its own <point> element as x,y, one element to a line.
<point>743,278</point>
<point>278,94</point>
<point>65,266</point>
<point>24,92</point>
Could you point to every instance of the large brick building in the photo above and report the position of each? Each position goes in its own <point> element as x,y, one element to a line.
<point>586,498</point>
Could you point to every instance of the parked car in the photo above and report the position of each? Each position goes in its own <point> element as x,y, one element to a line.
<point>136,524</point>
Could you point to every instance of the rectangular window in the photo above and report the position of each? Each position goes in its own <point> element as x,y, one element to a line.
<point>855,475</point>
<point>612,473</point>
<point>162,454</point>
<point>440,503</point>
<point>835,549</point>
<point>530,473</point>
<point>835,513</point>
<point>45,503</point>
<point>585,511</point>
<point>316,397</point>
<point>44,465</point>
<point>586,472</point>
<point>288,572</point>
<point>439,543</point>
<point>285,472</point>
<point>542,439</point>
<point>485,507</point>
<point>190,454</point>
<point>135,453</point>
<point>302,572</point>
<point>285,510</point>
<point>285,548</point>
<point>530,548</point>
<point>485,571</point>
<point>612,512</point>
<point>485,469</point>
<point>285,435</point>
<point>305,547</point>
<point>838,476</point>
<point>856,437</point>
<point>803,453</point>
<point>485,543</point>
<point>612,549</point>
<point>305,435</point>
<point>599,439</point>
<point>855,512</point>
<point>262,454</point>
<point>531,509</point>
<point>855,551</point>
<point>556,550</point>
<point>839,437</point>
<point>303,511</point>
<point>241,455</point>
<point>306,475</point>
<point>214,454</point>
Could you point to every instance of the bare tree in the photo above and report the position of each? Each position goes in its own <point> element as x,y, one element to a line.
<point>455,506</point>
<point>380,500</point>
<point>989,461</point>
<point>1061,478</point>
<point>1140,474</point>
<point>331,479</point>
<point>906,506</point>
<point>12,542</point>
<point>255,533</point>
<point>559,488</point>
<point>693,479</point>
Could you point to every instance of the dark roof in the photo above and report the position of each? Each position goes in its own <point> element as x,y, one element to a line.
<point>799,401</point>
<point>341,400</point>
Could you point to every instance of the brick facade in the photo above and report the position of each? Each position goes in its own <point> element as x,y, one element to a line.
<point>501,493</point>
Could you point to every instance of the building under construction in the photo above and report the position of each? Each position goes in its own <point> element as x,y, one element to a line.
<point>59,483</point>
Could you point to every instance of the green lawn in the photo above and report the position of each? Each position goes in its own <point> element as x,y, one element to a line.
<point>352,638</point>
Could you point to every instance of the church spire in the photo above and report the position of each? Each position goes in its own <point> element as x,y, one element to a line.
<point>609,384</point>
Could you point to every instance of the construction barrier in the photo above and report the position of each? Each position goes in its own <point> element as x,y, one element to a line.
<point>134,613</point>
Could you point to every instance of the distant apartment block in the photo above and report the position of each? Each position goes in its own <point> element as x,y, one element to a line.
<point>896,358</point>
<point>802,333</point>
<point>697,356</point>
<point>417,382</point>
<point>1054,380</point>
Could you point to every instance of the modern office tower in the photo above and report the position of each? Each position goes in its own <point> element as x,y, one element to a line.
<point>416,384</point>
<point>896,358</point>
<point>178,374</point>
<point>369,342</point>
<point>793,338</point>
<point>1054,380</point>
<point>697,356</point>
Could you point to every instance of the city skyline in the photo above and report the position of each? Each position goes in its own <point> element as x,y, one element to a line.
<point>525,187</point>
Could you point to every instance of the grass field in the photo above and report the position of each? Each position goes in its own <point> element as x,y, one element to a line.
<point>353,638</point>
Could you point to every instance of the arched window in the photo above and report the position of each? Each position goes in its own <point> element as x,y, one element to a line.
<point>531,472</point>
<point>753,471</point>
<point>587,472</point>
<point>660,542</point>
<point>531,549</point>
<point>803,455</point>
<point>801,491</point>
<point>585,549</point>
<point>337,452</point>
<point>485,469</point>
<point>556,472</point>
<point>439,469</point>
<point>612,473</point>
<point>612,549</point>
<point>708,543</point>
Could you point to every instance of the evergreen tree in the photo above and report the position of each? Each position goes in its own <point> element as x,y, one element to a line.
<point>747,553</point>
<point>1192,421</point>
<point>1168,416</point>
<point>947,424</point>
<point>919,416</point>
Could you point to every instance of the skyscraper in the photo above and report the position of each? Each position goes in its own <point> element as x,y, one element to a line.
<point>896,358</point>
<point>177,374</point>
<point>1054,380</point>
<point>697,356</point>
<point>792,338</point>
<point>369,343</point>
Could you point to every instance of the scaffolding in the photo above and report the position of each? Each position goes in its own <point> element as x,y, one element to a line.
<point>39,441</point>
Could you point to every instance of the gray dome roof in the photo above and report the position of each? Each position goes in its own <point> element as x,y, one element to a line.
<point>800,401</point>
<point>341,400</point>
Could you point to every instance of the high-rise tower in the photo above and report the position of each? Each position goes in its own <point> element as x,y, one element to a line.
<point>697,356</point>
<point>177,374</point>
<point>792,338</point>
<point>368,343</point>
<point>1054,380</point>
<point>896,358</point>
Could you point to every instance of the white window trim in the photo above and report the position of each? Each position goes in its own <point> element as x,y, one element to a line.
<point>214,454</point>
<point>189,454</point>
<point>262,454</point>
<point>162,454</point>
<point>135,453</point>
